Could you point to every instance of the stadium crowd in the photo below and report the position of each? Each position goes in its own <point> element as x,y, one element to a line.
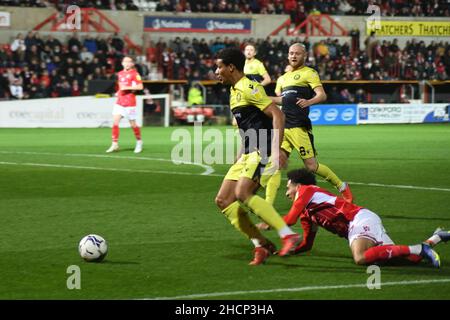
<point>33,67</point>
<point>297,9</point>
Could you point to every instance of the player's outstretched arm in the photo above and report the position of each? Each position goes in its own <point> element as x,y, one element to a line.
<point>276,100</point>
<point>266,79</point>
<point>309,234</point>
<point>320,96</point>
<point>278,157</point>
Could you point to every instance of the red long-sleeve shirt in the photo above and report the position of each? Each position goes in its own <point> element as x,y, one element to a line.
<point>314,207</point>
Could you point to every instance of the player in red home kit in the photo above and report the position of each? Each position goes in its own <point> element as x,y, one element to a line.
<point>129,81</point>
<point>367,238</point>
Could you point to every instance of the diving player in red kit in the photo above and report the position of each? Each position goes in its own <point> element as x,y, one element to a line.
<point>129,81</point>
<point>364,230</point>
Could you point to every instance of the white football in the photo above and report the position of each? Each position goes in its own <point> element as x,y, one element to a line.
<point>93,248</point>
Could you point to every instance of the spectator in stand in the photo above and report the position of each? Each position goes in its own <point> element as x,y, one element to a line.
<point>300,17</point>
<point>440,72</point>
<point>344,7</point>
<point>354,34</point>
<point>32,53</point>
<point>86,56</point>
<point>74,42</point>
<point>42,91</point>
<point>346,96</point>
<point>47,60</point>
<point>29,40</point>
<point>117,43</point>
<point>6,59</point>
<point>4,85</point>
<point>370,42</point>
<point>76,89</point>
<point>90,44</point>
<point>16,89</point>
<point>290,8</point>
<point>321,49</point>
<point>151,52</point>
<point>334,96</point>
<point>45,79</point>
<point>164,5</point>
<point>64,89</point>
<point>421,8</point>
<point>360,96</point>
<point>101,45</point>
<point>52,42</point>
<point>18,48</point>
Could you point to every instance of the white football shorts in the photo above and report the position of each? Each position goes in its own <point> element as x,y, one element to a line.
<point>367,224</point>
<point>126,112</point>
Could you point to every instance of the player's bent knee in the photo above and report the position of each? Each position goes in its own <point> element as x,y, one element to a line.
<point>359,260</point>
<point>242,195</point>
<point>311,165</point>
<point>222,202</point>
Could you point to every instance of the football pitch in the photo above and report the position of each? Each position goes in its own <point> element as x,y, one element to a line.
<point>166,237</point>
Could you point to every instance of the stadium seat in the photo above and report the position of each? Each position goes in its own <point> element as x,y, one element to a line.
<point>208,112</point>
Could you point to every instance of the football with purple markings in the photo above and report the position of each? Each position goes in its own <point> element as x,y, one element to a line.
<point>93,248</point>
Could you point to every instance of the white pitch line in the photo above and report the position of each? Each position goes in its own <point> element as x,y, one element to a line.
<point>399,186</point>
<point>394,186</point>
<point>50,165</point>
<point>300,289</point>
<point>208,169</point>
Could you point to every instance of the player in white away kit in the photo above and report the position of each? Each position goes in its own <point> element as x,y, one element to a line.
<point>316,207</point>
<point>129,82</point>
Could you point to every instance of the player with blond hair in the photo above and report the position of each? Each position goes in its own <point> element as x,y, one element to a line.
<point>298,89</point>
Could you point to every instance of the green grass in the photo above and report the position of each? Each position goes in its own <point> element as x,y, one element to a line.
<point>166,237</point>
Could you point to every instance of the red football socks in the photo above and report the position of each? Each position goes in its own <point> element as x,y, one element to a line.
<point>137,133</point>
<point>383,253</point>
<point>115,133</point>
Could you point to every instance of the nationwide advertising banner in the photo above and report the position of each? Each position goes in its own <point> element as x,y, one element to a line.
<point>333,114</point>
<point>403,113</point>
<point>208,25</point>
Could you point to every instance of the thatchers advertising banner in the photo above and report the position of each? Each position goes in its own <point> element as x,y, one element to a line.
<point>410,28</point>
